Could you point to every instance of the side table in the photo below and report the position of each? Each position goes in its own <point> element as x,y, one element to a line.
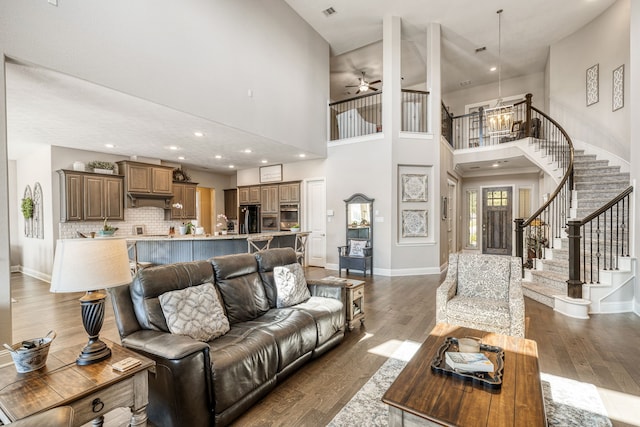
<point>91,390</point>
<point>355,299</point>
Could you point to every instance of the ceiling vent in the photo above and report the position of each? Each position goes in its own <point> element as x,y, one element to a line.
<point>481,49</point>
<point>328,12</point>
<point>465,83</point>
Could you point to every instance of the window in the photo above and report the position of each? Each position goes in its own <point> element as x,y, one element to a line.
<point>524,205</point>
<point>497,198</point>
<point>472,209</point>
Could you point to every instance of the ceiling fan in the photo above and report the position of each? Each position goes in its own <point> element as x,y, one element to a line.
<point>364,85</point>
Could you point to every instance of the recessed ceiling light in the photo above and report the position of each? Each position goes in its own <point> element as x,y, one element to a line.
<point>302,155</point>
<point>198,133</point>
<point>180,157</point>
<point>173,147</point>
<point>263,161</point>
<point>495,165</point>
<point>110,145</point>
<point>231,166</point>
<point>247,150</point>
<point>218,156</point>
<point>493,68</point>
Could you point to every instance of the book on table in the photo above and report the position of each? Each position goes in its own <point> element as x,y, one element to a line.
<point>469,362</point>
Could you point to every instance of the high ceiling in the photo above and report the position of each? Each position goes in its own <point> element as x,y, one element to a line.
<point>64,111</point>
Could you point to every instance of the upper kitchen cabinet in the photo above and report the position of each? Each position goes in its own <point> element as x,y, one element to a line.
<point>143,178</point>
<point>183,204</point>
<point>290,193</point>
<point>89,196</point>
<point>249,195</point>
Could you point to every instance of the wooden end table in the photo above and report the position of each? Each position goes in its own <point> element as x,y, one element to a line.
<point>91,390</point>
<point>420,396</point>
<point>355,299</point>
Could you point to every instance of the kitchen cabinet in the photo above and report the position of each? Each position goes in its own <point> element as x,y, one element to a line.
<point>290,193</point>
<point>231,203</point>
<point>143,178</point>
<point>269,199</point>
<point>184,193</point>
<point>249,195</point>
<point>90,197</point>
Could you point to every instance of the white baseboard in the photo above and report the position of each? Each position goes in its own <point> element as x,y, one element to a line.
<point>36,274</point>
<point>614,307</point>
<point>15,269</point>
<point>5,358</point>
<point>395,272</point>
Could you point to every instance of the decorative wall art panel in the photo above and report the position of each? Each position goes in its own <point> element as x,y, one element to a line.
<point>593,89</point>
<point>618,88</point>
<point>414,187</point>
<point>414,223</point>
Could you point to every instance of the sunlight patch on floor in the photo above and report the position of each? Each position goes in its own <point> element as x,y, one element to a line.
<point>621,406</point>
<point>401,350</point>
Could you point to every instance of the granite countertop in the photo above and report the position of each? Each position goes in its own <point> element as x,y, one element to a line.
<point>206,236</point>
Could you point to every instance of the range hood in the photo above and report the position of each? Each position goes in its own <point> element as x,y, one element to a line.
<point>141,200</point>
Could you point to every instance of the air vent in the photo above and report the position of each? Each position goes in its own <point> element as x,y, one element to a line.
<point>481,49</point>
<point>465,83</point>
<point>328,12</point>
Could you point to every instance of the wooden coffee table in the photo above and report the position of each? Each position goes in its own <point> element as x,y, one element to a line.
<point>422,397</point>
<point>91,390</point>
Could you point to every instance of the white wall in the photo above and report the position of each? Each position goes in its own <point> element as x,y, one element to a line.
<point>634,111</point>
<point>531,83</point>
<point>604,41</point>
<point>296,171</point>
<point>196,56</point>
<point>15,201</point>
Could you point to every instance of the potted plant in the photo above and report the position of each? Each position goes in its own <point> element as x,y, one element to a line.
<point>107,229</point>
<point>222,223</point>
<point>27,207</point>
<point>99,166</point>
<point>295,228</point>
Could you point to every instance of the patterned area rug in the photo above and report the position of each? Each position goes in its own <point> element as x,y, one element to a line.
<point>568,403</point>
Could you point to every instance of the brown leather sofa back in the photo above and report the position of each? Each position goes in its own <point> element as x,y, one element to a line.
<point>150,283</point>
<point>267,260</point>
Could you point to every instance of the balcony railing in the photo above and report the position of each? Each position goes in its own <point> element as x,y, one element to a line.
<point>363,115</point>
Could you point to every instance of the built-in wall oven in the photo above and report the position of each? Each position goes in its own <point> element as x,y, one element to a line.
<point>289,216</point>
<point>269,222</point>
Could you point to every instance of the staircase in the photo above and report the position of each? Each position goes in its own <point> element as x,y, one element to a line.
<point>595,183</point>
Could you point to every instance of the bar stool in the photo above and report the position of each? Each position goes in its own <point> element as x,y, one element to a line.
<point>134,263</point>
<point>258,243</point>
<point>301,247</point>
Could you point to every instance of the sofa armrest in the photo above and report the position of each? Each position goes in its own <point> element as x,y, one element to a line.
<point>444,293</point>
<point>181,391</point>
<point>320,288</point>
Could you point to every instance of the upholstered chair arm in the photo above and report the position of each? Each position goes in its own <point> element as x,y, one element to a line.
<point>163,344</point>
<point>516,298</point>
<point>447,289</point>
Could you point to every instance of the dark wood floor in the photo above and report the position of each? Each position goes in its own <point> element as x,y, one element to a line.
<point>604,350</point>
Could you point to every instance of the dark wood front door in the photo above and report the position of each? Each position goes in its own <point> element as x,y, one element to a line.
<point>496,220</point>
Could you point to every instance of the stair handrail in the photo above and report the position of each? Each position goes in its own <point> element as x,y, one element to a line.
<point>576,230</point>
<point>554,211</point>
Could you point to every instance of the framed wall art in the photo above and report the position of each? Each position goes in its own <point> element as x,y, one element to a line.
<point>414,187</point>
<point>592,84</point>
<point>271,173</point>
<point>414,223</point>
<point>617,99</point>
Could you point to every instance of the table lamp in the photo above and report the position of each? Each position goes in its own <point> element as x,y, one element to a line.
<point>91,265</point>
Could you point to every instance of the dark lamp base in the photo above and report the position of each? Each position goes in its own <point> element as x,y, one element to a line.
<point>92,307</point>
<point>93,352</point>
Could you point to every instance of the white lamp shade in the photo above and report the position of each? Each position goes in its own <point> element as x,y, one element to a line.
<point>90,264</point>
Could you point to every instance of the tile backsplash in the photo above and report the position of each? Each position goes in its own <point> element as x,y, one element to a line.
<point>151,218</point>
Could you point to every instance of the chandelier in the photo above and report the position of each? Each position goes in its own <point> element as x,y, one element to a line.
<point>499,118</point>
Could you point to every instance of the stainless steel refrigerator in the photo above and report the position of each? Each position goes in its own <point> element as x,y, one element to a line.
<point>249,219</point>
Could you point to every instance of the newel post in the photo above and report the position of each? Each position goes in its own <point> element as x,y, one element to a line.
<point>574,289</point>
<point>519,240</point>
<point>528,113</point>
<point>481,128</point>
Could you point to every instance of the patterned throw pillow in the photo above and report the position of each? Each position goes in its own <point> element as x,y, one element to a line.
<point>356,248</point>
<point>195,311</point>
<point>291,286</point>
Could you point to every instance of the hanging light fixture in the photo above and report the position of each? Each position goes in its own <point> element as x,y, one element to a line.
<point>499,118</point>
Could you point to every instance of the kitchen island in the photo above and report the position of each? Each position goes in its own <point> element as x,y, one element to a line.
<point>167,249</point>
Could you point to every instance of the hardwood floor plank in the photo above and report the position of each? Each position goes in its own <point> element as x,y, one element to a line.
<point>602,350</point>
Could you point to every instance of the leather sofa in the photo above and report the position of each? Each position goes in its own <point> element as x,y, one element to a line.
<point>211,383</point>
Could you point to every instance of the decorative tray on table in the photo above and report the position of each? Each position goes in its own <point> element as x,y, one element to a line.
<point>490,380</point>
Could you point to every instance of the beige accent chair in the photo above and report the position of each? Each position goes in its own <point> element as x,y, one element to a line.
<point>483,292</point>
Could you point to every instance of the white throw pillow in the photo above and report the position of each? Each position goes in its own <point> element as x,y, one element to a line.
<point>356,248</point>
<point>291,286</point>
<point>195,311</point>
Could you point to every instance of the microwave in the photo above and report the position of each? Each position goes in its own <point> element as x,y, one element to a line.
<point>270,222</point>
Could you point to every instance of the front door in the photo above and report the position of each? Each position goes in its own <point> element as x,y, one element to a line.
<point>496,220</point>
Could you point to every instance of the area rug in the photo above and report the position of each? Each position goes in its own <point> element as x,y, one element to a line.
<point>567,402</point>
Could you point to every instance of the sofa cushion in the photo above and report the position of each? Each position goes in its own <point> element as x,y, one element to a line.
<point>241,287</point>
<point>485,276</point>
<point>291,286</point>
<point>479,313</point>
<point>269,259</point>
<point>195,311</point>
<point>149,283</point>
<point>328,314</point>
<point>242,360</point>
